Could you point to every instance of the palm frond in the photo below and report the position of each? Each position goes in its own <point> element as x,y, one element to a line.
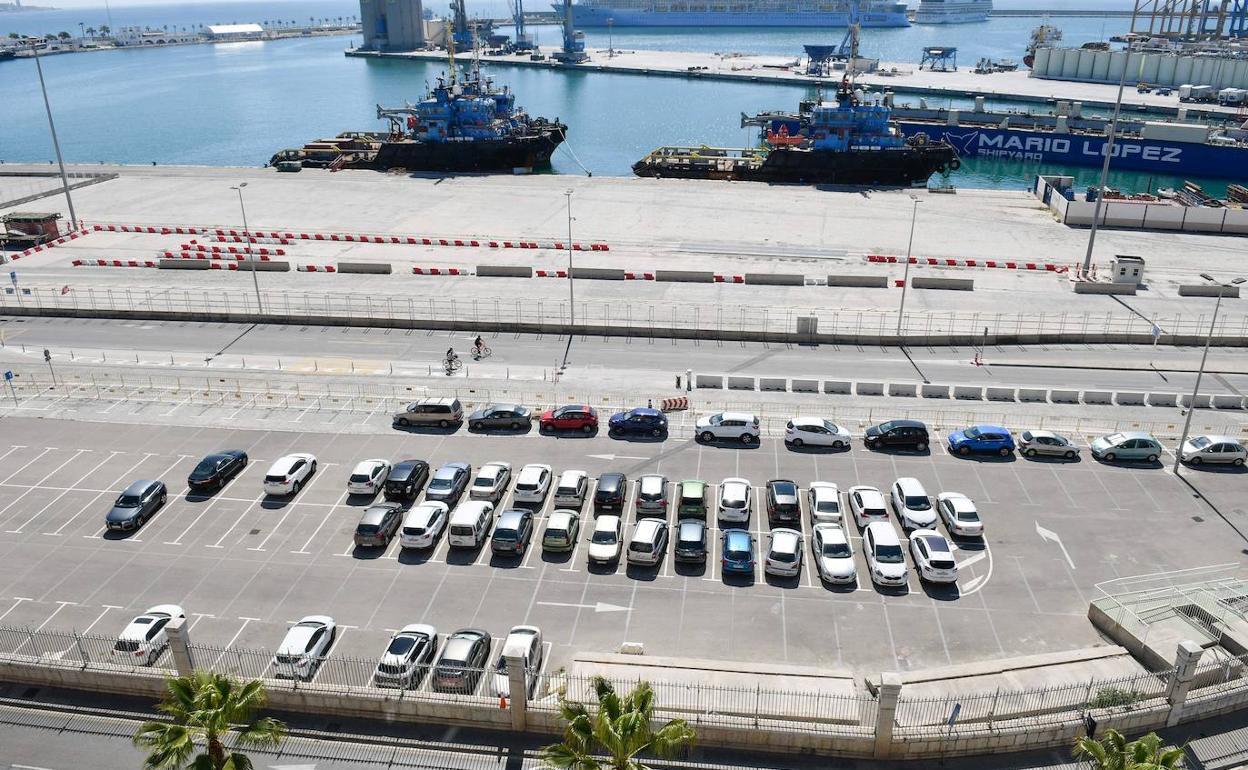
<point>265,731</point>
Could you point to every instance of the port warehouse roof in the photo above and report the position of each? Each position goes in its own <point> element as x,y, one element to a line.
<point>235,29</point>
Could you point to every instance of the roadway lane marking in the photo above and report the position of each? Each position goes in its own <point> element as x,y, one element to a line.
<point>1050,535</point>
<point>324,521</point>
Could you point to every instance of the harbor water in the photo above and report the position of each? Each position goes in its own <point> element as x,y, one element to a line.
<point>237,103</point>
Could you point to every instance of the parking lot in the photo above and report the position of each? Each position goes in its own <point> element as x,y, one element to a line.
<point>244,565</point>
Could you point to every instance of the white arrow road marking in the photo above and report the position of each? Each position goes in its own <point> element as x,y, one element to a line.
<point>610,458</point>
<point>972,584</point>
<point>1048,534</point>
<point>972,559</point>
<point>597,607</point>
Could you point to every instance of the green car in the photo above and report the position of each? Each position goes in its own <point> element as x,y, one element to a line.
<point>561,530</point>
<point>692,500</point>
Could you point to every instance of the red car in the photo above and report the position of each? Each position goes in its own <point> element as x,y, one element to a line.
<point>571,417</point>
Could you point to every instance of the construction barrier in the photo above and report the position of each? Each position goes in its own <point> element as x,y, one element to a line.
<point>1207,290</point>
<point>259,267</point>
<point>775,279</point>
<point>685,276</point>
<point>1094,287</point>
<point>114,263</point>
<point>365,267</point>
<point>951,284</point>
<point>838,387</point>
<point>184,264</point>
<point>317,268</point>
<point>438,271</point>
<point>49,245</point>
<point>1049,267</point>
<point>206,255</point>
<point>504,271</point>
<point>934,391</point>
<point>860,281</point>
<point>233,249</point>
<point>674,404</point>
<point>598,273</point>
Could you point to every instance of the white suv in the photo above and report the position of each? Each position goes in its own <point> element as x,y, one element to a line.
<point>423,524</point>
<point>914,508</point>
<point>885,558</point>
<point>288,474</point>
<point>739,426</point>
<point>933,558</point>
<point>144,639</point>
<point>867,504</point>
<point>304,647</point>
<point>532,484</point>
<point>649,542</point>
<point>734,500</point>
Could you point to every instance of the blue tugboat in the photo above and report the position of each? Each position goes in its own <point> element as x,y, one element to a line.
<point>841,142</point>
<point>463,125</point>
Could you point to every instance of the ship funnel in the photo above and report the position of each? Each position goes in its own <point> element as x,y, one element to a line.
<point>979,104</point>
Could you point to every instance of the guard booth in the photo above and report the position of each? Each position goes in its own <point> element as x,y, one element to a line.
<point>21,230</point>
<point>1127,269</point>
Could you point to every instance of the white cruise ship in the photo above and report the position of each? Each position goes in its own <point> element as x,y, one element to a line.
<point>952,11</point>
<point>737,13</point>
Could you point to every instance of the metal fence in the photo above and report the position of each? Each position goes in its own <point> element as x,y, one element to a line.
<point>633,315</point>
<point>77,650</point>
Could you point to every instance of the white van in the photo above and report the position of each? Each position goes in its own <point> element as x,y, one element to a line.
<point>470,524</point>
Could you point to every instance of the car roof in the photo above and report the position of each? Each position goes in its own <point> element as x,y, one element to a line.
<point>450,469</point>
<point>646,411</point>
<point>737,416</point>
<point>652,478</point>
<point>607,523</point>
<point>910,484</point>
<point>470,508</point>
<point>988,428</point>
<point>883,532</point>
<point>560,519</point>
<point>424,512</point>
<point>374,513</point>
<point>1218,439</point>
<point>905,424</point>
<point>533,471</point>
<point>138,487</point>
<point>511,518</point>
<point>610,478</point>
<point>694,482</point>
<point>419,628</point>
<point>935,541</point>
<point>1135,434</point>
<point>780,485</point>
<point>367,465</point>
<point>646,528</point>
<point>690,526</point>
<point>502,407</point>
<point>1040,433</point>
<point>572,475</point>
<point>785,540</point>
<point>736,536</point>
<point>808,421</point>
<point>865,491</point>
<point>407,465</point>
<point>832,533</point>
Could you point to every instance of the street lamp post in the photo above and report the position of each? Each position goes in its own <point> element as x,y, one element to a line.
<point>56,145</point>
<point>905,280</point>
<point>610,45</point>
<point>1109,153</point>
<point>255,281</point>
<point>1213,325</point>
<point>571,295</point>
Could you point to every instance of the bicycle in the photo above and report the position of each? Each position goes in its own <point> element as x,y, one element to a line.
<point>452,365</point>
<point>484,352</point>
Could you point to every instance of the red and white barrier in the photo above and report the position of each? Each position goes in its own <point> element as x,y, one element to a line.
<point>439,271</point>
<point>550,273</point>
<point>240,239</point>
<point>314,268</point>
<point>50,244</point>
<point>1049,267</point>
<point>244,250</point>
<point>673,404</point>
<point>631,276</point>
<point>149,229</point>
<point>729,278</point>
<point>113,263</point>
<point>213,255</point>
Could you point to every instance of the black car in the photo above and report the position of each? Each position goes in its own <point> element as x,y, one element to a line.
<point>690,541</point>
<point>508,416</point>
<point>611,492</point>
<point>897,434</point>
<point>464,658</point>
<point>136,505</point>
<point>643,420</point>
<point>782,501</point>
<point>448,483</point>
<point>216,469</point>
<point>406,480</point>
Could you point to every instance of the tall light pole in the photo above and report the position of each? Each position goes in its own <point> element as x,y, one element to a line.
<point>610,45</point>
<point>905,280</point>
<point>571,294</point>
<point>247,246</point>
<point>1213,325</point>
<point>56,145</point>
<point>1109,153</point>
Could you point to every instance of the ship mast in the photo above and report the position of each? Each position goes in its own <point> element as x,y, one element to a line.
<point>450,52</point>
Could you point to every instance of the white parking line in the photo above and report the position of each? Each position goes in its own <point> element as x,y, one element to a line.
<point>54,500</point>
<point>315,532</point>
<point>107,608</point>
<point>100,493</point>
<point>161,475</point>
<point>17,600</point>
<point>237,521</point>
<point>230,643</point>
<point>51,473</point>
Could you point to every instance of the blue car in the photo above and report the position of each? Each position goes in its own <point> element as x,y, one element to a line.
<point>982,438</point>
<point>738,551</point>
<point>640,421</point>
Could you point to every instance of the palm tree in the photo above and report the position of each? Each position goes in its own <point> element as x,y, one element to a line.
<point>205,707</point>
<point>1114,752</point>
<point>64,35</point>
<point>622,729</point>
<point>104,30</point>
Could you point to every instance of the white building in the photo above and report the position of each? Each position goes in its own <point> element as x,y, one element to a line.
<point>223,32</point>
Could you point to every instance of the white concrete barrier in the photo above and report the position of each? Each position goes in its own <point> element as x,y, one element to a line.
<point>934,391</point>
<point>1089,287</point>
<point>1002,394</point>
<point>861,281</point>
<point>1098,397</point>
<point>972,392</point>
<point>773,383</point>
<point>903,389</point>
<point>708,381</point>
<point>1154,399</point>
<point>867,388</point>
<point>839,387</point>
<point>1202,401</point>
<point>1206,290</point>
<point>776,279</point>
<point>1064,396</point>
<point>1122,398</point>
<point>1227,401</point>
<point>740,383</point>
<point>1033,394</point>
<point>804,386</point>
<point>954,284</point>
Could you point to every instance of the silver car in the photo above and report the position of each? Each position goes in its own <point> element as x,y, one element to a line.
<point>1213,449</point>
<point>1033,443</point>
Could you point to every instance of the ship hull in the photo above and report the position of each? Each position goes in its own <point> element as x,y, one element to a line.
<point>508,155</point>
<point>587,16</point>
<point>1039,146</point>
<point>903,167</point>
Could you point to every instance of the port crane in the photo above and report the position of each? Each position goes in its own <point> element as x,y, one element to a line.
<point>573,51</point>
<point>523,41</point>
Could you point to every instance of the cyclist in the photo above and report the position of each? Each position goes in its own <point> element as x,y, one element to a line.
<point>450,356</point>
<point>479,345</point>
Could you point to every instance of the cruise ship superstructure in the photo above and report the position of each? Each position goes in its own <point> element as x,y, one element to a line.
<point>739,13</point>
<point>952,11</point>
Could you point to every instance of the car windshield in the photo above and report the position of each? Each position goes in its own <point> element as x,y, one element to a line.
<point>918,502</point>
<point>557,534</point>
<point>1200,442</point>
<point>440,483</point>
<point>717,419</point>
<point>360,477</point>
<point>971,433</point>
<point>128,501</point>
<point>836,550</point>
<point>889,554</point>
<point>736,554</point>
<point>1115,438</point>
<point>484,481</point>
<point>604,537</point>
<point>827,505</point>
<point>505,534</point>
<point>400,645</point>
<point>366,529</point>
<point>206,466</point>
<point>965,515</point>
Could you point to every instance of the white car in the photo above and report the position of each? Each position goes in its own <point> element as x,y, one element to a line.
<point>913,507</point>
<point>289,473</point>
<point>867,505</point>
<point>571,488</point>
<point>304,647</point>
<point>423,525</point>
<point>784,553</point>
<point>491,482</point>
<point>524,642</point>
<point>1198,450</point>
<point>604,543</point>
<point>141,642</point>
<point>834,556</point>
<point>933,558</point>
<point>649,542</point>
<point>735,500</point>
<point>960,514</point>
<point>407,657</point>
<point>738,426</point>
<point>885,558</point>
<point>532,484</point>
<point>815,431</point>
<point>368,477</point>
<point>825,502</point>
